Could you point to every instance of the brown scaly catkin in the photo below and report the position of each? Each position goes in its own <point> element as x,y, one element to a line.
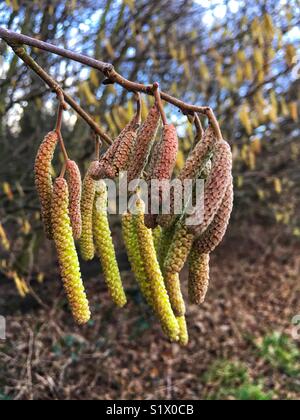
<point>43,179</point>
<point>118,155</point>
<point>144,143</point>
<point>198,276</point>
<point>67,255</point>
<point>215,233</point>
<point>160,298</point>
<point>215,187</point>
<point>164,166</point>
<point>74,183</point>
<point>86,242</point>
<point>192,169</point>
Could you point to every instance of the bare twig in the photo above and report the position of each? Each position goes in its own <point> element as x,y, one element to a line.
<point>112,76</point>
<point>30,62</point>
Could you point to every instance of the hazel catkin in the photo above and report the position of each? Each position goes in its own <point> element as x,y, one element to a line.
<point>67,255</point>
<point>215,233</point>
<point>73,177</point>
<point>172,282</point>
<point>179,249</point>
<point>105,247</point>
<point>43,178</point>
<point>183,331</point>
<point>192,169</point>
<point>134,255</point>
<point>161,302</point>
<point>215,187</point>
<point>162,169</point>
<point>86,242</point>
<point>144,143</point>
<point>198,276</point>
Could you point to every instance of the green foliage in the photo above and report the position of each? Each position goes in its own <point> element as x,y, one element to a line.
<point>231,380</point>
<point>281,352</point>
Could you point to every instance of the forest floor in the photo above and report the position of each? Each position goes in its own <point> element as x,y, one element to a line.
<point>241,344</point>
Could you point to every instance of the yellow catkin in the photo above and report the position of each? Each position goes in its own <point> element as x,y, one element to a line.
<point>183,331</point>
<point>179,249</point>
<point>161,302</point>
<point>157,233</point>
<point>172,282</point>
<point>105,247</point>
<point>43,178</point>
<point>198,276</point>
<point>86,243</point>
<point>134,255</point>
<point>165,243</point>
<point>67,255</point>
<point>74,185</point>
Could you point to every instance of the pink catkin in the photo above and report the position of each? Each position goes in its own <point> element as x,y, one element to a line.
<point>43,178</point>
<point>191,170</point>
<point>215,187</point>
<point>116,158</point>
<point>165,155</point>
<point>75,186</point>
<point>144,143</point>
<point>215,233</point>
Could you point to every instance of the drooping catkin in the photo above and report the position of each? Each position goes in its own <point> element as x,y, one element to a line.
<point>67,255</point>
<point>179,249</point>
<point>43,178</point>
<point>73,177</point>
<point>215,187</point>
<point>157,234</point>
<point>172,282</point>
<point>198,276</point>
<point>105,247</point>
<point>183,331</point>
<point>194,166</point>
<point>134,255</point>
<point>162,169</point>
<point>215,233</point>
<point>165,243</point>
<point>118,155</point>
<point>144,143</point>
<point>86,242</point>
<point>161,302</point>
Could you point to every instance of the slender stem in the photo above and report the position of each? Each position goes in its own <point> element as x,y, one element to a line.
<point>98,145</point>
<point>63,147</point>
<point>214,122</point>
<point>106,68</point>
<point>199,128</point>
<point>138,115</point>
<point>59,118</point>
<point>63,170</point>
<point>157,96</point>
<point>30,62</point>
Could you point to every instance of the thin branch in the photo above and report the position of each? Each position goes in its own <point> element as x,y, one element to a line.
<point>106,68</point>
<point>30,62</point>
<point>159,104</point>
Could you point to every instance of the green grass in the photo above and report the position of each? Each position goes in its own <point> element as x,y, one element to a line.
<point>281,352</point>
<point>231,380</point>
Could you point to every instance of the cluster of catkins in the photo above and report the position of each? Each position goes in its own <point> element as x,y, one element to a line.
<point>158,246</point>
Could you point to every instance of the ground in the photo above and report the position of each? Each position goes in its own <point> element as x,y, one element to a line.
<point>241,344</point>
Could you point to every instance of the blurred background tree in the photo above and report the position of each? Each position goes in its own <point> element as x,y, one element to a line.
<point>236,56</point>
